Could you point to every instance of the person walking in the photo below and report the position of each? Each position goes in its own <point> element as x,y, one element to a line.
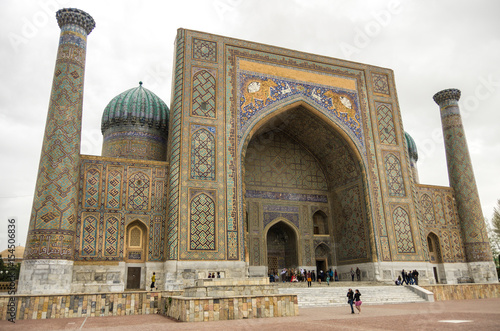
<point>350,299</point>
<point>352,274</point>
<point>153,280</point>
<point>357,301</point>
<point>308,279</point>
<point>358,274</point>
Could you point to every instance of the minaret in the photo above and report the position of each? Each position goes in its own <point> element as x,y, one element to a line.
<point>461,175</point>
<point>48,259</point>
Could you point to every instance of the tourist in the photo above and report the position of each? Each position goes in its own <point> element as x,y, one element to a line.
<point>415,276</point>
<point>218,274</point>
<point>209,275</point>
<point>357,300</point>
<point>153,280</point>
<point>330,273</point>
<point>336,276</point>
<point>320,276</point>
<point>328,278</point>
<point>313,276</point>
<point>403,274</point>
<point>352,274</point>
<point>309,279</point>
<point>398,281</point>
<point>350,299</point>
<point>358,274</point>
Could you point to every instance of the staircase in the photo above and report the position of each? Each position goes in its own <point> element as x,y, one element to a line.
<point>328,296</point>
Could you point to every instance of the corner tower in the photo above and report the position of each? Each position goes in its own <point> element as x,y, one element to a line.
<point>48,259</point>
<point>461,175</point>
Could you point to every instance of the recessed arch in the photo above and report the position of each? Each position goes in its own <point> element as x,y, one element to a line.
<point>281,245</point>
<point>340,158</point>
<point>136,242</point>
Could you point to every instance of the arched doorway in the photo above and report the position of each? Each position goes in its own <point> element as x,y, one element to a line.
<point>135,252</point>
<point>435,255</point>
<point>295,161</point>
<point>281,247</point>
<point>322,255</point>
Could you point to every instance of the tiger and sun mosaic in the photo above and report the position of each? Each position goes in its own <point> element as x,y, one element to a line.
<point>267,158</point>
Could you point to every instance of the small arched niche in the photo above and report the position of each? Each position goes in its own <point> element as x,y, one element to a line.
<point>320,223</point>
<point>136,242</point>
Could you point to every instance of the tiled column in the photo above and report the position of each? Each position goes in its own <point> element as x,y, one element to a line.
<point>462,180</point>
<point>50,245</point>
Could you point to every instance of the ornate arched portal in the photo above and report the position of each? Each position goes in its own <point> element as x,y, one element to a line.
<point>294,162</point>
<point>282,248</point>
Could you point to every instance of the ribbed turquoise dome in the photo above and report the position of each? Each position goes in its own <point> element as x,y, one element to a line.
<point>137,106</point>
<point>412,147</point>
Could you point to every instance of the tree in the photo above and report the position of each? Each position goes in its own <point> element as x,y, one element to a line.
<point>493,229</point>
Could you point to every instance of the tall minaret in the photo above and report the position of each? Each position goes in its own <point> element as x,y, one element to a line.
<point>49,255</point>
<point>461,175</point>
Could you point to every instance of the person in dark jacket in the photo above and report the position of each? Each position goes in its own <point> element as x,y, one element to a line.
<point>357,301</point>
<point>350,299</point>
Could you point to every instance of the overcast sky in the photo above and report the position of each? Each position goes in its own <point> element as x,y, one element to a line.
<point>430,45</point>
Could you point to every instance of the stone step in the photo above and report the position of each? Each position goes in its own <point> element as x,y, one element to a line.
<point>336,296</point>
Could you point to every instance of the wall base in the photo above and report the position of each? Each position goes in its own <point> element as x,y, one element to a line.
<point>45,277</point>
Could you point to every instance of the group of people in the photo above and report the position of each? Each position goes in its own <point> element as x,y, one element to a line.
<point>357,273</point>
<point>303,275</point>
<point>407,277</point>
<point>353,298</point>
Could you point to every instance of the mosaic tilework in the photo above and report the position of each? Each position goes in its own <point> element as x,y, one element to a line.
<point>282,163</point>
<point>286,196</point>
<point>394,175</point>
<point>55,200</point>
<point>439,209</point>
<point>386,130</point>
<point>458,248</point>
<point>113,189</point>
<point>139,186</point>
<point>427,209</point>
<point>258,92</point>
<point>112,235</point>
<point>204,50</point>
<point>174,149</point>
<point>402,228</point>
<point>386,250</point>
<point>89,235</point>
<point>140,145</point>
<point>203,153</point>
<point>462,178</point>
<point>380,83</point>
<point>203,94</point>
<point>202,223</point>
<point>352,231</point>
<point>271,216</point>
<point>92,187</point>
<point>145,185</point>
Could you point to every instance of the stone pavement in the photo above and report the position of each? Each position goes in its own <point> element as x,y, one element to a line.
<point>483,314</point>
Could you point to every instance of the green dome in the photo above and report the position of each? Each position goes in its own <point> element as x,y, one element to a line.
<point>137,106</point>
<point>412,147</point>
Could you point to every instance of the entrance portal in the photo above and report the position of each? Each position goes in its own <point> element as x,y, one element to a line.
<point>281,247</point>
<point>134,278</point>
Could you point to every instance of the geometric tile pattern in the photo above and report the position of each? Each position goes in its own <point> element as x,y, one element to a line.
<point>123,203</point>
<point>138,191</point>
<point>92,185</point>
<point>385,120</point>
<point>204,50</point>
<point>202,224</point>
<point>56,194</point>
<point>203,155</point>
<point>282,163</point>
<point>352,234</point>
<point>458,248</point>
<point>203,103</point>
<point>175,150</point>
<point>427,210</point>
<point>402,228</point>
<point>439,209</point>
<point>89,235</point>
<point>394,176</point>
<point>380,83</point>
<point>462,179</point>
<point>113,189</point>
<point>111,239</point>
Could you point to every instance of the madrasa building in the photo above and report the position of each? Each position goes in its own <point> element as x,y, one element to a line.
<point>267,158</point>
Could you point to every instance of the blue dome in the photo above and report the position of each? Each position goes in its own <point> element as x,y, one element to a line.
<point>412,147</point>
<point>137,106</point>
